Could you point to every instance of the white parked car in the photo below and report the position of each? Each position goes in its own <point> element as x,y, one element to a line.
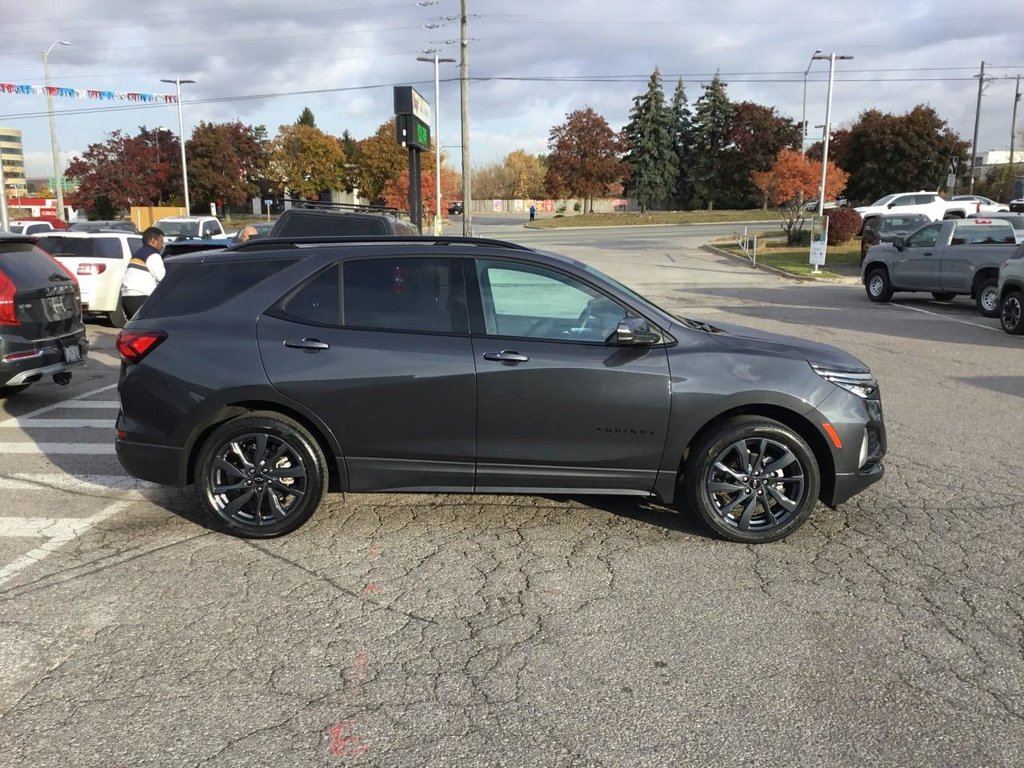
<point>98,260</point>
<point>930,204</point>
<point>191,227</point>
<point>30,227</point>
<point>984,204</point>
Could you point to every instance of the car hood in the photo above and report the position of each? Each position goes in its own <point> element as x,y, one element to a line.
<point>755,341</point>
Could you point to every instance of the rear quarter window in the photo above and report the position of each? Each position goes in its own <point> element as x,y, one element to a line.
<point>189,289</point>
<point>984,235</point>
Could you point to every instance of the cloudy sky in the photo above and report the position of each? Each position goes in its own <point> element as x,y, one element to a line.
<point>262,61</point>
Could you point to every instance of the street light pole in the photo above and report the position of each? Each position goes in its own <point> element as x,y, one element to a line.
<point>803,113</point>
<point>3,194</point>
<point>181,133</point>
<point>467,186</point>
<point>58,175</point>
<point>437,138</point>
<point>828,125</point>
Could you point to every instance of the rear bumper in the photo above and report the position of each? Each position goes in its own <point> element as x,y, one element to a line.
<point>44,359</point>
<point>155,463</point>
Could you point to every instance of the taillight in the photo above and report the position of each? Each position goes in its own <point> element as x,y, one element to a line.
<point>8,291</point>
<point>92,269</point>
<point>135,345</point>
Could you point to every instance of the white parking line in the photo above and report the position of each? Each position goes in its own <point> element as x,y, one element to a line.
<point>25,423</point>
<point>944,316</point>
<point>56,531</point>
<point>63,404</point>
<point>87,404</point>
<point>122,485</point>
<point>57,448</point>
<point>100,357</point>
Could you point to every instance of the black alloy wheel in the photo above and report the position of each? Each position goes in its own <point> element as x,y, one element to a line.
<point>877,285</point>
<point>260,475</point>
<point>752,480</point>
<point>987,293</point>
<point>1011,314</point>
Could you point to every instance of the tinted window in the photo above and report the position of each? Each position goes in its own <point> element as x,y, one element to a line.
<point>191,288</point>
<point>903,200</point>
<point>33,229</point>
<point>924,199</point>
<point>902,223</point>
<point>178,228</point>
<point>995,234</point>
<point>83,248</point>
<point>391,294</point>
<point>29,267</point>
<point>926,237</point>
<point>529,302</point>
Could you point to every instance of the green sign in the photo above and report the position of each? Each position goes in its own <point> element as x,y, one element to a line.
<point>422,134</point>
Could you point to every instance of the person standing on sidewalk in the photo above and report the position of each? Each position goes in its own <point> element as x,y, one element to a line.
<point>144,271</point>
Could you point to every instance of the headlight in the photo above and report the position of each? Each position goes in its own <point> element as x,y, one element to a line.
<point>861,384</point>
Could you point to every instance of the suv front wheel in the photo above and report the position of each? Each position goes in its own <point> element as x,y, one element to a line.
<point>877,285</point>
<point>260,475</point>
<point>752,480</point>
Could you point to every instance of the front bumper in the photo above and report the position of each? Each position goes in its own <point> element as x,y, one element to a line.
<point>42,358</point>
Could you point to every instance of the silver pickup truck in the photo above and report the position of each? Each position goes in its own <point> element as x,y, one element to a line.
<point>949,258</point>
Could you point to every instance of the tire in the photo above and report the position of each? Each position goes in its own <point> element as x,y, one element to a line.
<point>987,296</point>
<point>878,286</point>
<point>1011,313</point>
<point>228,481</point>
<point>118,318</point>
<point>943,296</point>
<point>717,482</point>
<point>14,389</point>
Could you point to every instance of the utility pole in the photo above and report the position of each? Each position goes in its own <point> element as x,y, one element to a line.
<point>1013,131</point>
<point>828,124</point>
<point>977,119</point>
<point>58,174</point>
<point>467,187</point>
<point>4,223</point>
<point>803,113</point>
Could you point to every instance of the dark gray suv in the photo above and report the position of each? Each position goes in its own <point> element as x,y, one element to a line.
<point>289,368</point>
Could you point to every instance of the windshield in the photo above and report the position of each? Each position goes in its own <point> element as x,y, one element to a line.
<point>633,295</point>
<point>884,200</point>
<point>178,228</point>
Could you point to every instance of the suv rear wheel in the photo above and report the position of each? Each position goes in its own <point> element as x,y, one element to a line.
<point>260,475</point>
<point>752,480</point>
<point>1011,314</point>
<point>118,318</point>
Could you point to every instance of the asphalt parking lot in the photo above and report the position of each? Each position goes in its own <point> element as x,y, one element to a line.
<point>416,630</point>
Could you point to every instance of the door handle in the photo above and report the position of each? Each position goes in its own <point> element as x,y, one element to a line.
<point>927,253</point>
<point>310,344</point>
<point>507,357</point>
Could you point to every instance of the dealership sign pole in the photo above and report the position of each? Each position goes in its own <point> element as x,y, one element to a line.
<point>412,130</point>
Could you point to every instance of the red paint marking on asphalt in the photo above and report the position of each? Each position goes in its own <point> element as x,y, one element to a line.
<point>372,587</point>
<point>345,744</point>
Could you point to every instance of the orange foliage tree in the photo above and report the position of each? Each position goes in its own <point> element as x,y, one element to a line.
<point>791,182</point>
<point>396,191</point>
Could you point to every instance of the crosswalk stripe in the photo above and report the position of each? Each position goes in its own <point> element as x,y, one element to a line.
<point>25,423</point>
<point>90,404</point>
<point>58,531</point>
<point>100,357</point>
<point>57,448</point>
<point>62,404</point>
<point>122,485</point>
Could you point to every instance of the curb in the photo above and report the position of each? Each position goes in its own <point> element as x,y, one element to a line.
<point>840,280</point>
<point>634,226</point>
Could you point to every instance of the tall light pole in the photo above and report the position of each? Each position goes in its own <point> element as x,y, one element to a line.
<point>803,113</point>
<point>181,133</point>
<point>828,124</point>
<point>1013,132</point>
<point>467,186</point>
<point>437,137</point>
<point>977,119</point>
<point>58,175</point>
<point>3,194</point>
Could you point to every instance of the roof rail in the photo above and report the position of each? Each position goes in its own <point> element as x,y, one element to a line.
<point>263,242</point>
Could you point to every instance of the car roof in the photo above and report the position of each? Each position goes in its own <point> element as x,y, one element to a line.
<point>185,218</point>
<point>79,234</point>
<point>11,237</point>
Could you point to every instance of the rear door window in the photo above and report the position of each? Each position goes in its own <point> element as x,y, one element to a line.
<point>192,288</point>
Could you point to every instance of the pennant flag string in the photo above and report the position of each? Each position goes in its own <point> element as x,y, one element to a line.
<point>89,93</point>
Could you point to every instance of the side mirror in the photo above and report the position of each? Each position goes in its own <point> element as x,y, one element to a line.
<point>898,243</point>
<point>890,205</point>
<point>635,332</point>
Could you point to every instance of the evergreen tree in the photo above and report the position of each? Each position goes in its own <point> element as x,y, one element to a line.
<point>711,138</point>
<point>682,127</point>
<point>306,118</point>
<point>652,157</point>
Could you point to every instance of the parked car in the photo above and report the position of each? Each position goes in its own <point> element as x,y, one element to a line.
<point>32,226</point>
<point>983,204</point>
<point>311,222</point>
<point>1017,206</point>
<point>1015,220</point>
<point>470,365</point>
<point>455,208</point>
<point>929,203</point>
<point>99,260</point>
<point>887,227</point>
<point>199,227</point>
<point>812,205</point>
<point>262,230</point>
<point>41,330</point>
<point>116,225</point>
<point>1011,292</point>
<point>947,258</point>
<point>182,247</point>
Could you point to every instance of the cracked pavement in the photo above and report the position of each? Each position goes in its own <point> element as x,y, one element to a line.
<point>444,630</point>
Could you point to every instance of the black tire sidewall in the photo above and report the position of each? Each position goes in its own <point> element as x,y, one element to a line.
<point>118,318</point>
<point>983,285</point>
<point>886,293</point>
<point>1019,328</point>
<point>699,463</point>
<point>272,424</point>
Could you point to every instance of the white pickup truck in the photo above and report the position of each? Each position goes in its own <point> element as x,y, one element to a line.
<point>191,227</point>
<point>930,204</point>
<point>946,258</point>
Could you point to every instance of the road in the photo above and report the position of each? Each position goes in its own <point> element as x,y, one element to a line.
<point>417,630</point>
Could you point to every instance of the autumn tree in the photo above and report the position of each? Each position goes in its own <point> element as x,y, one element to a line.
<point>712,119</point>
<point>754,137</point>
<point>524,175</point>
<point>379,160</point>
<point>127,170</point>
<point>306,118</point>
<point>584,158</point>
<point>891,153</point>
<point>651,141</point>
<point>791,182</point>
<point>308,161</point>
<point>682,133</point>
<point>396,191</point>
<point>224,163</point>
<point>490,181</point>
